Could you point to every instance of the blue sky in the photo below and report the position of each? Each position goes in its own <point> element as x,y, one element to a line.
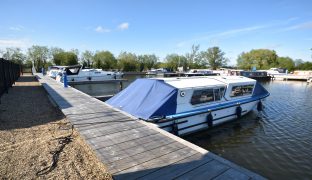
<point>160,27</point>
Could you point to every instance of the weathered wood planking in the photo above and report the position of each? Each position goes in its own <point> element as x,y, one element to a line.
<point>132,149</point>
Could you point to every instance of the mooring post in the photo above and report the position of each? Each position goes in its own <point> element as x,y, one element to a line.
<point>120,86</point>
<point>65,80</point>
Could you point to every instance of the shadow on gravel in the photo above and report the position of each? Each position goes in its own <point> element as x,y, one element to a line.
<point>27,105</point>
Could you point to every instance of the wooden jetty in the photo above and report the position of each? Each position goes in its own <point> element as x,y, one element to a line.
<point>134,149</point>
<point>291,77</point>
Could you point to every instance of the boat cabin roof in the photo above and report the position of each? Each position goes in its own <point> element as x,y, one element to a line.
<point>193,82</point>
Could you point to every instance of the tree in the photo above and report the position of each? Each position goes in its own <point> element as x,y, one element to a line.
<point>55,50</point>
<point>104,60</point>
<point>87,58</point>
<point>14,54</point>
<point>286,62</point>
<point>38,55</point>
<point>75,51</point>
<point>305,66</point>
<point>147,61</point>
<point>298,62</point>
<point>259,58</point>
<point>173,61</point>
<point>214,57</point>
<point>65,59</point>
<point>128,61</point>
<point>194,59</point>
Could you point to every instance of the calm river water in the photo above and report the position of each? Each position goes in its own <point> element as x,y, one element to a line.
<point>276,143</point>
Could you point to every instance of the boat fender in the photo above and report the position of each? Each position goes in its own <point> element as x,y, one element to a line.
<point>175,128</point>
<point>89,78</point>
<point>210,120</point>
<point>259,106</point>
<point>239,111</point>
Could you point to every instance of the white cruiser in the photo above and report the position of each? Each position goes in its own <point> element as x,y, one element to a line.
<point>78,74</point>
<point>186,105</point>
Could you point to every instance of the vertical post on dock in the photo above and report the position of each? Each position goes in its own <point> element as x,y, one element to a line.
<point>120,86</point>
<point>65,80</point>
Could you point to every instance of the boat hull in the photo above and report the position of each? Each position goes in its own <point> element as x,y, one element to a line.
<point>77,78</point>
<point>191,124</point>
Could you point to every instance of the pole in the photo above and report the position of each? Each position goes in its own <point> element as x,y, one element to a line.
<point>65,80</point>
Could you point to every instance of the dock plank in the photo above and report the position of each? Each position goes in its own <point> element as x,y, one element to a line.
<point>209,170</point>
<point>179,168</point>
<point>233,175</point>
<point>155,164</point>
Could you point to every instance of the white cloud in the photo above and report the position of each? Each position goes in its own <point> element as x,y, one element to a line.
<point>123,26</point>
<point>17,28</point>
<point>306,25</point>
<point>100,29</point>
<point>238,31</point>
<point>22,43</point>
<point>214,37</point>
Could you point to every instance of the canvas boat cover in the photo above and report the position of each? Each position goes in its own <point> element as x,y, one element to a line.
<point>146,99</point>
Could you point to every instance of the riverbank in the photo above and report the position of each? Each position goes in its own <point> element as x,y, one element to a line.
<point>29,130</point>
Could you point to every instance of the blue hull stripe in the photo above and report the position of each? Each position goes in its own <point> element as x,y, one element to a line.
<point>216,107</point>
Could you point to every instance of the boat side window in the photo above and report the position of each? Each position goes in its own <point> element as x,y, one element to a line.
<point>241,90</point>
<point>202,96</point>
<point>218,93</point>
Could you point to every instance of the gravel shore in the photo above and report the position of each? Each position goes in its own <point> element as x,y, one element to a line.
<point>31,128</point>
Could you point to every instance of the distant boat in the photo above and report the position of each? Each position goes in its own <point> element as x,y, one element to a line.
<point>158,72</point>
<point>257,75</point>
<point>54,70</point>
<point>78,74</point>
<point>200,72</point>
<point>184,105</point>
<point>277,71</point>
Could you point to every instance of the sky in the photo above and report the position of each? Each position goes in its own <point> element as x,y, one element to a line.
<point>160,27</point>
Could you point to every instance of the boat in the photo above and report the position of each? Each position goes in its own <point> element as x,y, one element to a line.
<point>277,71</point>
<point>77,74</point>
<point>54,70</point>
<point>183,105</point>
<point>257,75</point>
<point>200,72</point>
<point>157,72</point>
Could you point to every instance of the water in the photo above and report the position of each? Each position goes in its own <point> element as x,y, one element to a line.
<point>276,143</point>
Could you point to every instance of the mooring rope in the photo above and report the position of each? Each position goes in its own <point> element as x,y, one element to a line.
<point>62,141</point>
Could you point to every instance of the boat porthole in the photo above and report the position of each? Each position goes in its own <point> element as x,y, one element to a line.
<point>182,93</point>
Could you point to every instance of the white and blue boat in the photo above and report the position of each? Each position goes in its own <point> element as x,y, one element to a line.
<point>187,105</point>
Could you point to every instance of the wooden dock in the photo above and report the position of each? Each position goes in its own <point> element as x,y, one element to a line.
<point>292,77</point>
<point>134,149</point>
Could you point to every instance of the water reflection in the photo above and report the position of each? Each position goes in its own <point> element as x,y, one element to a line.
<point>275,143</point>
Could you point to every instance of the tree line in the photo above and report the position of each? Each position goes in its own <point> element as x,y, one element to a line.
<point>213,58</point>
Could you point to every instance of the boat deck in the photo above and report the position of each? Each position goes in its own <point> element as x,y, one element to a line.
<point>133,149</point>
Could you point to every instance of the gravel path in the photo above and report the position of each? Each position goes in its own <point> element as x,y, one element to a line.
<point>29,126</point>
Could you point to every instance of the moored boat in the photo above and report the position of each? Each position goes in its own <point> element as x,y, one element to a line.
<point>200,72</point>
<point>78,74</point>
<point>186,105</point>
<point>54,70</point>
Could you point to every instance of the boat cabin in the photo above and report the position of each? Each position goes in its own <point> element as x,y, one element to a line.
<point>148,98</point>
